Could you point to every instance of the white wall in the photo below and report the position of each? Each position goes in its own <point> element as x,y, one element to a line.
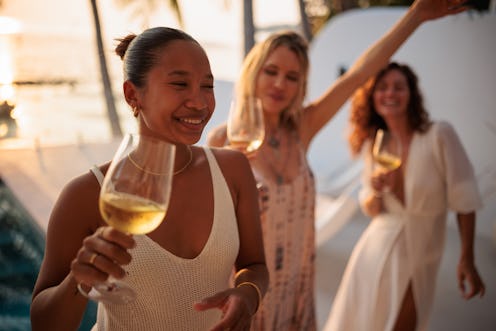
<point>455,59</point>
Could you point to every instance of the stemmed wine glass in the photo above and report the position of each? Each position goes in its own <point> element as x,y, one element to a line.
<point>134,198</point>
<point>386,152</point>
<point>245,125</point>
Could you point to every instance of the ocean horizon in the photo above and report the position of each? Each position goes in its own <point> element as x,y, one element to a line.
<point>58,94</point>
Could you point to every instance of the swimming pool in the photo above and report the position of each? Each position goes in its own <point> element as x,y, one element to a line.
<point>22,244</point>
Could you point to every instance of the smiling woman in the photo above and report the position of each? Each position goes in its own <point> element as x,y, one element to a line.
<point>168,85</point>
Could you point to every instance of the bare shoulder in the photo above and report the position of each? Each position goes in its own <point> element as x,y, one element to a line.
<point>234,164</point>
<point>77,204</point>
<point>230,157</point>
<point>217,137</point>
<point>81,189</point>
<point>237,172</point>
<point>74,216</point>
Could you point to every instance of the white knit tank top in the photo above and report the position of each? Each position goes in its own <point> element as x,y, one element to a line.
<point>168,285</point>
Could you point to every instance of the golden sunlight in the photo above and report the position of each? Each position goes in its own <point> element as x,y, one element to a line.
<point>6,63</point>
<point>9,25</point>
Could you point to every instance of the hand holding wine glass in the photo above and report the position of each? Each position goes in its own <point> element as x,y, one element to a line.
<point>386,152</point>
<point>134,198</point>
<point>245,125</point>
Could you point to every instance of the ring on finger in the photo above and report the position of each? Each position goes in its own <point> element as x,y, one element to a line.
<point>93,258</point>
<point>81,290</point>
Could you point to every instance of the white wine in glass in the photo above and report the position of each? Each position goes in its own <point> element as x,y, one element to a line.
<point>134,198</point>
<point>245,125</point>
<point>386,151</point>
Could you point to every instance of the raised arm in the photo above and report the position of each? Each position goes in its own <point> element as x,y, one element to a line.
<point>320,111</point>
<point>218,136</point>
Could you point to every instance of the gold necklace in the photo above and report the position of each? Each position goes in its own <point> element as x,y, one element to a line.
<point>187,163</point>
<point>163,173</point>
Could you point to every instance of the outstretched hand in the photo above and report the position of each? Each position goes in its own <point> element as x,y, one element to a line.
<point>432,9</point>
<point>236,315</point>
<point>468,275</point>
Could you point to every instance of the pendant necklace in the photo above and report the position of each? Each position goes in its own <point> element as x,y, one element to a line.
<point>278,174</point>
<point>274,142</point>
<point>274,139</point>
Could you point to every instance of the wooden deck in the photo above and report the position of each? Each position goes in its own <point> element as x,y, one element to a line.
<point>37,175</point>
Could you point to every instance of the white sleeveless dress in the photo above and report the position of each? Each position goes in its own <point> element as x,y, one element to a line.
<point>168,285</point>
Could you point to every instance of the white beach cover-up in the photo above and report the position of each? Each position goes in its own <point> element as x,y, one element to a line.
<point>406,243</point>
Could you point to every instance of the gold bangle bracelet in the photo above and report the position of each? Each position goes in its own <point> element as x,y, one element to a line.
<point>256,289</point>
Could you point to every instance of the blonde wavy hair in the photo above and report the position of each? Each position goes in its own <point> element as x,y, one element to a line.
<point>255,60</point>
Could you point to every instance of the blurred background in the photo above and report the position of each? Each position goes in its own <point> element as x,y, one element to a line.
<point>60,86</point>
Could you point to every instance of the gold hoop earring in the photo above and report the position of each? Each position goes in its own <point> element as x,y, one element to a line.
<point>136,111</point>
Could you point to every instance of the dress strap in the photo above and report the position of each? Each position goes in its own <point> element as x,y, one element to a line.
<point>98,174</point>
<point>222,195</point>
<point>214,166</point>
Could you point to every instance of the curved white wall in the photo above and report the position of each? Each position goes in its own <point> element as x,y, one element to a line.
<point>455,59</point>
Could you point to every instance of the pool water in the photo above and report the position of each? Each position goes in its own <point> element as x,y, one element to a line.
<point>22,244</point>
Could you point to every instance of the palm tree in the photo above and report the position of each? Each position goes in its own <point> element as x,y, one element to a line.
<point>249,28</point>
<point>248,25</point>
<point>143,8</point>
<point>107,83</point>
<point>344,5</point>
<point>305,22</point>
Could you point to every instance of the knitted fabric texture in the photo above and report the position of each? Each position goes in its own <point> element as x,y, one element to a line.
<point>168,285</point>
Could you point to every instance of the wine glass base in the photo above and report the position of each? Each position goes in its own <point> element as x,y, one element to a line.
<point>110,293</point>
<point>113,293</point>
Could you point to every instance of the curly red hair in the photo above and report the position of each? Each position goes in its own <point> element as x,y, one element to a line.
<point>364,119</point>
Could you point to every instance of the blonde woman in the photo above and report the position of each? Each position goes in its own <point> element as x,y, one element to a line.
<point>276,71</point>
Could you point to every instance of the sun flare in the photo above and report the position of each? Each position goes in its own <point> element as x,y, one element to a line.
<point>9,25</point>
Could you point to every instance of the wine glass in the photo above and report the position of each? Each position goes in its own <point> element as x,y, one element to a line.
<point>134,198</point>
<point>386,152</point>
<point>245,125</point>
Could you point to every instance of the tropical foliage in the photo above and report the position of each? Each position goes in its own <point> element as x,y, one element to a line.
<point>142,9</point>
<point>313,13</point>
<point>320,11</point>
<point>105,76</point>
